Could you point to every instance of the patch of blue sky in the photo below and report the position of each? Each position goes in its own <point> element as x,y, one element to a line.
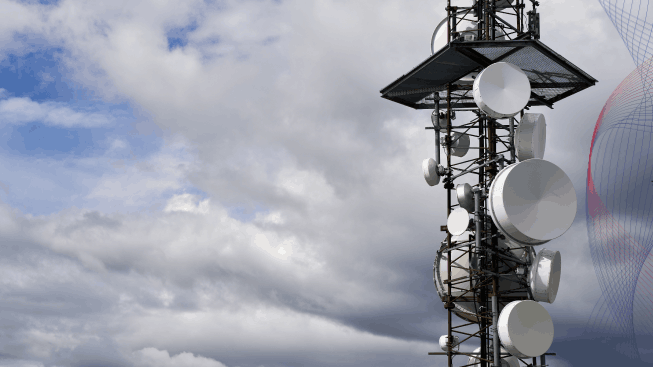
<point>57,140</point>
<point>246,213</point>
<point>41,2</point>
<point>42,139</point>
<point>45,169</point>
<point>40,186</point>
<point>199,194</point>
<point>39,139</point>
<point>178,37</point>
<point>37,75</point>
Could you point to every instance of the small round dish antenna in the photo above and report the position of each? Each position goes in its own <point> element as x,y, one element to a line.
<point>443,343</point>
<point>525,329</point>
<point>430,169</point>
<point>532,202</point>
<point>502,90</point>
<point>436,120</point>
<point>544,277</point>
<point>459,144</point>
<point>465,197</point>
<point>458,221</point>
<point>530,137</point>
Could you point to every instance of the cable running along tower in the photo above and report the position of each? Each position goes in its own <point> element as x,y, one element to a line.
<point>504,201</point>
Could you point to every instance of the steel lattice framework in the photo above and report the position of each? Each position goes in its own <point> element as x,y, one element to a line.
<point>505,30</point>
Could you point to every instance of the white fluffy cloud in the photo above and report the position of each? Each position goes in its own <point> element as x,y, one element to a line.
<point>152,357</point>
<point>24,110</point>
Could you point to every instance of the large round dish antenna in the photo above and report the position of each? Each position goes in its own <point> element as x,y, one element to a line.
<point>430,169</point>
<point>439,38</point>
<point>463,309</point>
<point>502,90</point>
<point>525,329</point>
<point>458,221</point>
<point>467,309</point>
<point>462,262</point>
<point>544,276</point>
<point>532,202</point>
<point>530,137</point>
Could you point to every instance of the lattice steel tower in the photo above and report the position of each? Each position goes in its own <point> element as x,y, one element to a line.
<point>478,272</point>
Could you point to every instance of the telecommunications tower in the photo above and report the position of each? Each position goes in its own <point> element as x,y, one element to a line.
<point>487,60</point>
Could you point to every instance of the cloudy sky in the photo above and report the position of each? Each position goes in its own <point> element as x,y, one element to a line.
<point>218,183</point>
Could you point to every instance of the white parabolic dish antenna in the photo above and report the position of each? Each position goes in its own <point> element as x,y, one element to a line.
<point>443,342</point>
<point>525,329</point>
<point>459,270</point>
<point>530,137</point>
<point>430,169</point>
<point>465,197</point>
<point>502,90</point>
<point>439,38</point>
<point>458,221</point>
<point>544,276</point>
<point>460,261</point>
<point>459,144</point>
<point>532,202</point>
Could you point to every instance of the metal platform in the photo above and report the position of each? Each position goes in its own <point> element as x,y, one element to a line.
<point>552,77</point>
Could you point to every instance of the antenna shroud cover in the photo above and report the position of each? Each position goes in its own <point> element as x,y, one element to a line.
<point>530,137</point>
<point>458,221</point>
<point>465,197</point>
<point>544,276</point>
<point>464,309</point>
<point>443,343</point>
<point>525,329</point>
<point>430,170</point>
<point>459,144</point>
<point>502,90</point>
<point>532,202</point>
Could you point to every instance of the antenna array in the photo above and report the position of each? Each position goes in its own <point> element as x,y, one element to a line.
<point>487,270</point>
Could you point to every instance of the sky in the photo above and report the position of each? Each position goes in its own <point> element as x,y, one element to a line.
<point>219,183</point>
